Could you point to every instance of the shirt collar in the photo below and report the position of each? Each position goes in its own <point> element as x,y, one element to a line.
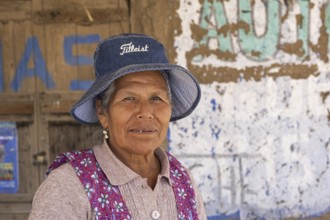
<point>117,172</point>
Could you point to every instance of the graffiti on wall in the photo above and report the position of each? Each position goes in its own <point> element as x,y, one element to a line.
<point>258,145</point>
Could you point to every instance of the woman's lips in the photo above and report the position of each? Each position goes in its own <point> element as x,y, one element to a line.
<point>143,130</point>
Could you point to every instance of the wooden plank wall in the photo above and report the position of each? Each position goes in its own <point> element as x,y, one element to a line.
<point>157,18</point>
<point>46,50</point>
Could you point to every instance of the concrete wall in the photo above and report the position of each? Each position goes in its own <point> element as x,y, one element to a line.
<point>258,144</point>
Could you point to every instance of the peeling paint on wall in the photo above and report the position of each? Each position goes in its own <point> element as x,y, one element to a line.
<point>259,142</point>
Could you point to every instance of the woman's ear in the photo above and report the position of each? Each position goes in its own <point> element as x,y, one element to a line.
<point>101,114</point>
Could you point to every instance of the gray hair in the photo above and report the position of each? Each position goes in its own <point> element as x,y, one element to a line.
<point>107,95</point>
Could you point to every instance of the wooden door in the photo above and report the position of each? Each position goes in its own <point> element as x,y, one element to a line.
<point>46,57</point>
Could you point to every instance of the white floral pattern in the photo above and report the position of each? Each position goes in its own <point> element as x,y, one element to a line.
<point>86,161</point>
<point>182,193</point>
<point>97,213</point>
<point>176,173</point>
<point>95,177</point>
<point>103,199</point>
<point>118,206</point>
<point>88,190</point>
<point>78,171</point>
<point>181,216</point>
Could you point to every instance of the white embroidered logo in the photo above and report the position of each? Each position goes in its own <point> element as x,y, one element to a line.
<point>130,48</point>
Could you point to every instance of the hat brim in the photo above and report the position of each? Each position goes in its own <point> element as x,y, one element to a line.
<point>185,91</point>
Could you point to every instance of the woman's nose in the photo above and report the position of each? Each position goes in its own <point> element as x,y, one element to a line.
<point>145,110</point>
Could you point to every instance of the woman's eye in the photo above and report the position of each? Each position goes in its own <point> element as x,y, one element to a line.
<point>156,98</point>
<point>129,98</point>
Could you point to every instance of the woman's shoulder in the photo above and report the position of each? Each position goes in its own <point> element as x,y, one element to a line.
<point>64,171</point>
<point>59,191</point>
<point>63,177</point>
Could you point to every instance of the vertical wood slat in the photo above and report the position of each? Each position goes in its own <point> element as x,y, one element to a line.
<point>86,70</point>
<point>118,28</point>
<point>145,19</point>
<point>9,60</point>
<point>37,172</point>
<point>61,71</point>
<point>26,170</point>
<point>72,136</point>
<point>25,65</point>
<point>43,78</point>
<point>2,78</point>
<point>122,26</point>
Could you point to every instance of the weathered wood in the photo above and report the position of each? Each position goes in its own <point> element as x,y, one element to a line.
<point>27,173</point>
<point>41,71</point>
<point>58,118</point>
<point>61,71</point>
<point>58,102</point>
<point>17,118</point>
<point>15,208</point>
<point>81,12</point>
<point>16,96</point>
<point>15,5</point>
<point>14,15</point>
<point>145,18</point>
<point>15,10</point>
<point>57,107</point>
<point>86,72</point>
<point>43,146</point>
<point>9,62</point>
<point>12,107</point>
<point>80,16</point>
<point>71,136</point>
<point>76,4</point>
<point>119,28</point>
<point>16,104</point>
<point>16,197</point>
<point>22,31</point>
<point>14,216</point>
<point>40,141</point>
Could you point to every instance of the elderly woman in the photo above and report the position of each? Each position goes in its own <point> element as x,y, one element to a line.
<point>135,95</point>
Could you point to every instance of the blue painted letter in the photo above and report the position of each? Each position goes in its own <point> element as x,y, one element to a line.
<point>69,41</point>
<point>32,51</point>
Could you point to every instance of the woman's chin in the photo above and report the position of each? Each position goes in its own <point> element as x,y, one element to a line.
<point>142,150</point>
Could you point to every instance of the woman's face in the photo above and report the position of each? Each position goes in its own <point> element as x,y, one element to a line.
<point>138,115</point>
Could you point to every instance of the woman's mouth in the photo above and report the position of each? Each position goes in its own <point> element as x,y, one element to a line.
<point>142,131</point>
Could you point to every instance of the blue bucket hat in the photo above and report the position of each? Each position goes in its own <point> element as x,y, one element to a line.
<point>124,54</point>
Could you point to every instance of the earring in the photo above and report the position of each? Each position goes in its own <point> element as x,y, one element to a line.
<point>105,133</point>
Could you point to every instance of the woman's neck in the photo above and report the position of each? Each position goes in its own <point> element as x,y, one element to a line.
<point>147,166</point>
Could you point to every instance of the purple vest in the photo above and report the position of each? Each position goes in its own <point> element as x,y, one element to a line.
<point>106,199</point>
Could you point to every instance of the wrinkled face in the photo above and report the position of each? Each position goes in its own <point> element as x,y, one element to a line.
<point>138,115</point>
